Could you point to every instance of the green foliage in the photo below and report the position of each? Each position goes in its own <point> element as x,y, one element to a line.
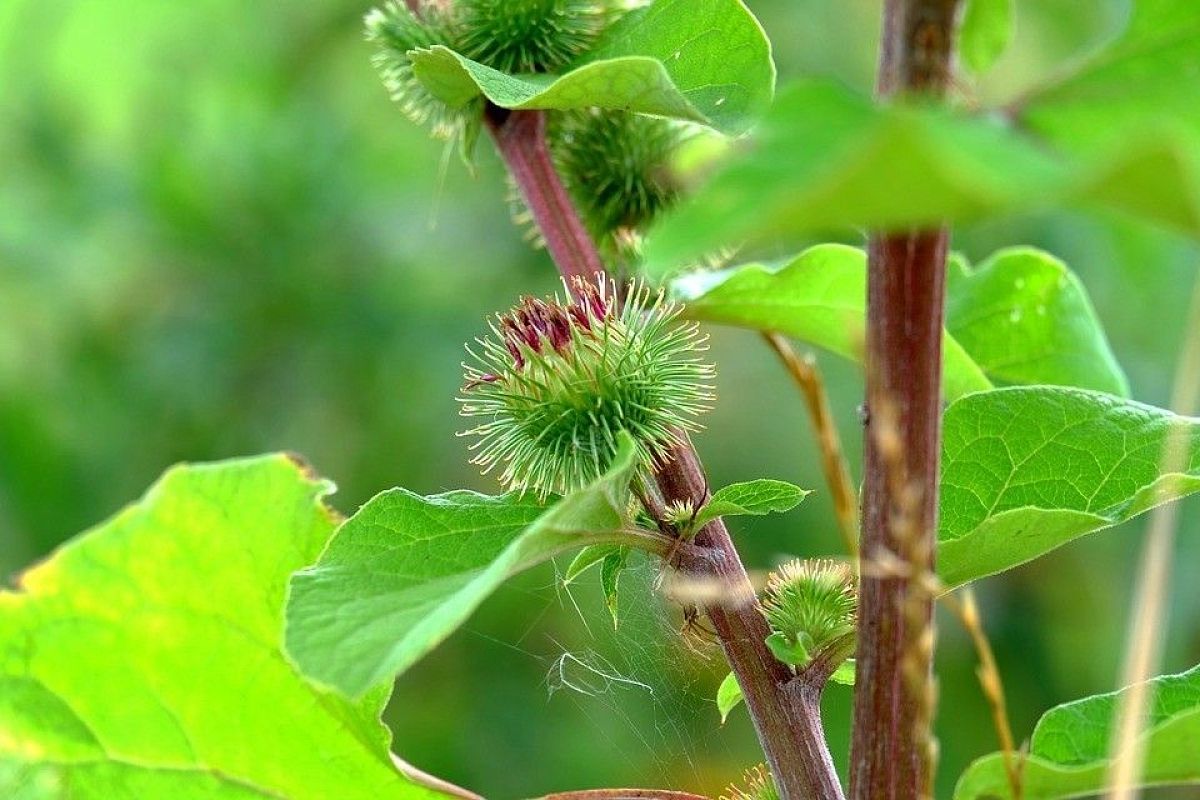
<point>987,28</point>
<point>405,571</point>
<point>610,579</point>
<point>1027,469</point>
<point>1071,751</point>
<point>143,658</point>
<point>1025,318</point>
<point>1134,112</point>
<point>729,696</point>
<point>705,61</point>
<point>1020,317</point>
<point>1126,130</point>
<point>558,380</point>
<point>820,157</point>
<point>818,297</point>
<point>612,558</point>
<point>755,498</point>
<point>1138,82</point>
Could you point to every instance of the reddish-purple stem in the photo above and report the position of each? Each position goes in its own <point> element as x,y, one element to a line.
<point>521,138</point>
<point>890,757</point>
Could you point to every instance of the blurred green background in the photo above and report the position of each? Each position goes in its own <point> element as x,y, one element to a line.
<point>217,237</point>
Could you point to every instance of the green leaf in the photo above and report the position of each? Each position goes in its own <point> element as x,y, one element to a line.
<point>729,696</point>
<point>405,571</point>
<point>1027,469</point>
<point>610,578</point>
<point>1136,81</point>
<point>705,61</point>
<point>1070,754</point>
<point>986,30</point>
<point>1134,115</point>
<point>143,658</point>
<point>845,673</point>
<point>818,297</point>
<point>612,559</point>
<point>587,558</point>
<point>754,498</point>
<point>786,650</point>
<point>1025,318</point>
<point>824,157</point>
<point>1021,317</point>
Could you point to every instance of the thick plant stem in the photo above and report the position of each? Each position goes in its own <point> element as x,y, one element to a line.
<point>786,710</point>
<point>521,138</point>
<point>786,714</point>
<point>892,752</point>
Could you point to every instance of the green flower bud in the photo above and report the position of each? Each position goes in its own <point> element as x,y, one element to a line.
<point>757,784</point>
<point>517,36</point>
<point>558,379</point>
<point>395,31</point>
<point>617,167</point>
<point>809,605</point>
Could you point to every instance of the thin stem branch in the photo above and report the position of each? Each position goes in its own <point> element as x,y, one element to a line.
<point>423,778</point>
<point>1144,647</point>
<point>786,712</point>
<point>787,721</point>
<point>521,138</point>
<point>833,460</point>
<point>892,751</point>
<point>991,683</point>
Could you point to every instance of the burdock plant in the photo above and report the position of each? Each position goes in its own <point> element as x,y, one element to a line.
<point>1030,441</point>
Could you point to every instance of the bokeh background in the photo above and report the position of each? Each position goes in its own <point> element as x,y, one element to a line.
<point>217,237</point>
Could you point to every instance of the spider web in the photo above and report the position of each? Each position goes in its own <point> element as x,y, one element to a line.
<point>645,688</point>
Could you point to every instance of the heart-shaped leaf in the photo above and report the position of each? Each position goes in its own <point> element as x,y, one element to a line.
<point>1020,317</point>
<point>818,297</point>
<point>143,658</point>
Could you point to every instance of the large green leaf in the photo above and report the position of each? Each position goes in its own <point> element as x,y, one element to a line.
<point>819,297</point>
<point>405,571</point>
<point>1135,112</point>
<point>1027,469</point>
<point>1146,76</point>
<point>143,658</point>
<point>826,158</point>
<point>1070,754</point>
<point>1025,318</point>
<point>1124,134</point>
<point>701,60</point>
